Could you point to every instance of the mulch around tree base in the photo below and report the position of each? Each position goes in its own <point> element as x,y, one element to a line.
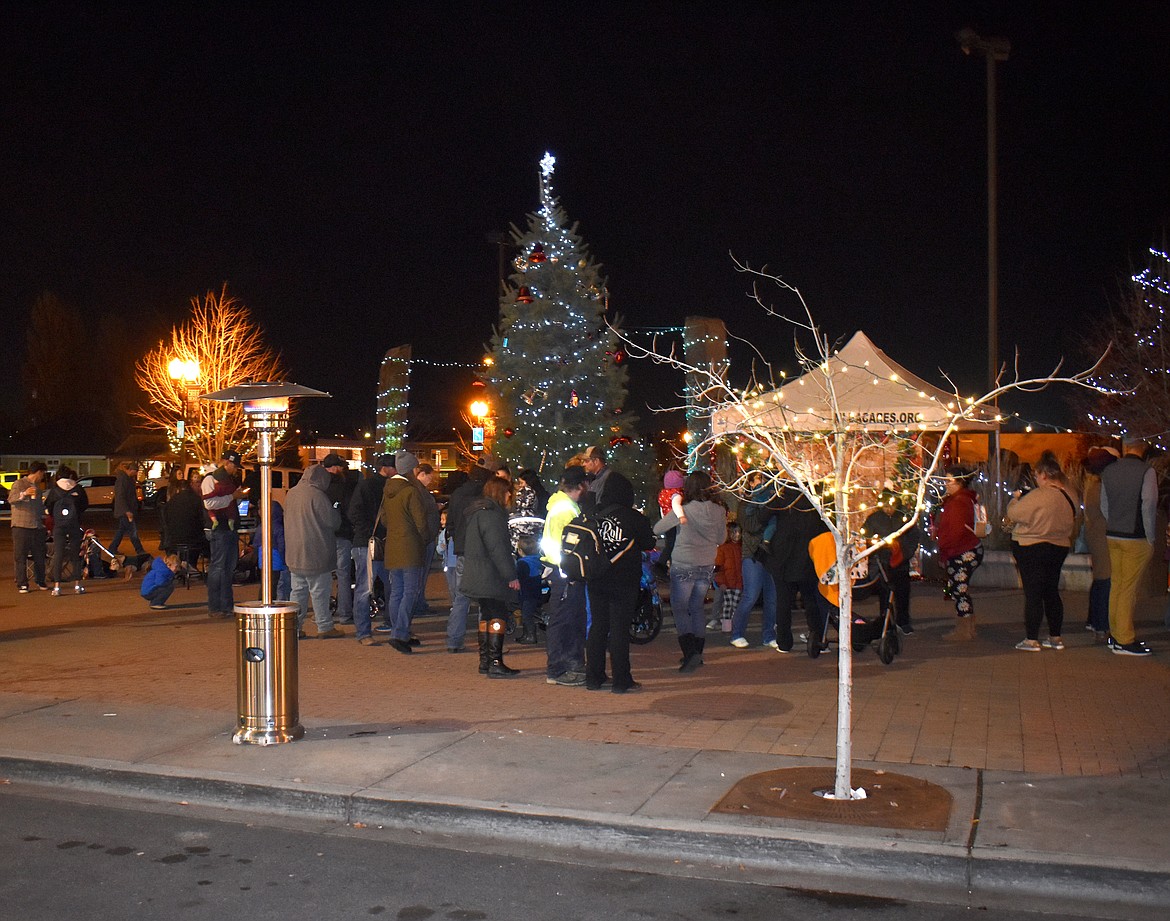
<point>892,800</point>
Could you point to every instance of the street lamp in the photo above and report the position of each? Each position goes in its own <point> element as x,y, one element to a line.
<point>480,411</point>
<point>267,630</point>
<point>185,374</point>
<point>993,49</point>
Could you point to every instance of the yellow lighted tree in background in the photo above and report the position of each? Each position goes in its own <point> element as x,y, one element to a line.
<point>218,346</point>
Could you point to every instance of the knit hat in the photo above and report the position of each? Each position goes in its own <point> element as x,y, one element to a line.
<point>489,462</point>
<point>382,460</point>
<point>404,463</point>
<point>333,459</point>
<point>673,479</point>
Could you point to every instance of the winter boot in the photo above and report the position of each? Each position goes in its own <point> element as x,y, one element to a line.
<point>495,646</point>
<point>528,637</point>
<point>696,657</point>
<point>686,642</point>
<point>484,659</point>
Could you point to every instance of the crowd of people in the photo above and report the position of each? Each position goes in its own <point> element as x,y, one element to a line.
<point>357,550</point>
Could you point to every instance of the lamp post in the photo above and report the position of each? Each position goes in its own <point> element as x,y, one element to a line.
<point>994,49</point>
<point>185,374</point>
<point>267,630</point>
<point>480,413</point>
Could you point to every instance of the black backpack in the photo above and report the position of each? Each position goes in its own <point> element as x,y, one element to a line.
<point>584,556</point>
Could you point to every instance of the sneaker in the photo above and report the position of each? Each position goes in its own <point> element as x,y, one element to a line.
<point>1110,642</point>
<point>714,624</point>
<point>158,607</point>
<point>629,688</point>
<point>1028,645</point>
<point>1136,648</point>
<point>781,649</point>
<point>383,628</point>
<point>905,631</point>
<point>79,590</point>
<point>772,644</point>
<point>740,643</point>
<point>331,634</point>
<point>367,641</point>
<point>41,587</point>
<point>56,590</point>
<point>1053,642</point>
<point>23,589</point>
<point>568,680</point>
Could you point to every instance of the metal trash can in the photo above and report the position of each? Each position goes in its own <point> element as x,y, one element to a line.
<point>267,697</point>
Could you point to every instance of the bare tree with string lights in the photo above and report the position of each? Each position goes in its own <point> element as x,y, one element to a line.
<point>815,439</point>
<point>218,346</point>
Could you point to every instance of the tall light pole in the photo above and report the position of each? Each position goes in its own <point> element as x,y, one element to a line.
<point>994,50</point>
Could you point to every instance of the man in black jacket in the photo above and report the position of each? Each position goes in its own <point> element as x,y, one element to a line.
<point>126,508</point>
<point>363,514</point>
<point>341,490</point>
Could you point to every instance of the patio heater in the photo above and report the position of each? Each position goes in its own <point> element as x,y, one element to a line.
<point>267,696</point>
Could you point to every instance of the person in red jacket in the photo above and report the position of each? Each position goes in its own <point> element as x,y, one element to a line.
<point>729,577</point>
<point>960,550</point>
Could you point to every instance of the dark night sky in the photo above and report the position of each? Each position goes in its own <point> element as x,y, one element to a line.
<point>341,169</point>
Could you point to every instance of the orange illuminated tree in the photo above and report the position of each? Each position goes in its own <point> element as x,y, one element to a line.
<point>218,346</point>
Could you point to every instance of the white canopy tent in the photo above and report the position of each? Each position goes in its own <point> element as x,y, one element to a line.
<point>859,388</point>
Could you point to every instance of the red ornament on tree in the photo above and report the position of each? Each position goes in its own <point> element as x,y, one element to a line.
<point>524,296</point>
<point>508,433</point>
<point>537,254</point>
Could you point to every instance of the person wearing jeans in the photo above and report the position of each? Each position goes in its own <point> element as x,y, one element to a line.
<point>702,527</point>
<point>757,583</point>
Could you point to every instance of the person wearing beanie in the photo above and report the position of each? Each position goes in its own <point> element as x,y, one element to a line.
<point>457,506</point>
<point>27,499</point>
<point>1097,620</point>
<point>1129,500</point>
<point>340,491</point>
<point>66,501</point>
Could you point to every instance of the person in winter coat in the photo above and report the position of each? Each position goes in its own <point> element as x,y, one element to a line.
<point>461,498</point>
<point>27,499</point>
<point>183,522</point>
<point>221,493</point>
<point>65,501</point>
<point>565,637</point>
<point>126,508</point>
<point>341,489</point>
<point>887,519</point>
<point>960,550</point>
<point>702,527</point>
<point>1096,461</point>
<point>614,596</point>
<point>759,584</point>
<point>791,568</point>
<point>489,572</point>
<point>369,568</point>
<point>405,519</point>
<point>310,540</point>
<point>159,581</point>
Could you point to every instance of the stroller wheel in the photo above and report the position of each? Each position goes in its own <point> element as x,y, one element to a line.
<point>814,645</point>
<point>887,647</point>
<point>895,641</point>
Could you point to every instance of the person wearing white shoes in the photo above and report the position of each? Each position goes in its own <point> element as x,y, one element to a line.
<point>65,501</point>
<point>1129,499</point>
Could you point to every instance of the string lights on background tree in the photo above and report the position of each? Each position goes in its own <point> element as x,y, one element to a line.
<point>556,371</point>
<point>1133,383</point>
<point>805,438</point>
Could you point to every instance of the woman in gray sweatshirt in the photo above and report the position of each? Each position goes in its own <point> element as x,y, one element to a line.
<point>702,527</point>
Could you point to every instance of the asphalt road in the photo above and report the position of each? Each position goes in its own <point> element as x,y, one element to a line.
<point>115,859</point>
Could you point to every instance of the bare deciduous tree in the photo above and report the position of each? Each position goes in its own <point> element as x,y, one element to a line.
<point>224,347</point>
<point>809,437</point>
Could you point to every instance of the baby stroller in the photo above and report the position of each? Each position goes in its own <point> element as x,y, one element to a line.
<point>869,578</point>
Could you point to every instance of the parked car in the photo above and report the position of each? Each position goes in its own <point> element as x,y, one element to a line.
<point>99,490</point>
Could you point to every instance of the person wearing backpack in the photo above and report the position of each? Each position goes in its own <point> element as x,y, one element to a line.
<point>613,593</point>
<point>565,636</point>
<point>702,526</point>
<point>65,501</point>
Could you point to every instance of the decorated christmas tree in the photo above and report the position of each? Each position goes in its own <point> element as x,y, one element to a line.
<point>556,372</point>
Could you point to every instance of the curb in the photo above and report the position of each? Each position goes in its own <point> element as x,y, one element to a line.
<point>904,871</point>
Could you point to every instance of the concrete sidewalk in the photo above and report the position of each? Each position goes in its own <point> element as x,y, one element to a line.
<point>1057,763</point>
